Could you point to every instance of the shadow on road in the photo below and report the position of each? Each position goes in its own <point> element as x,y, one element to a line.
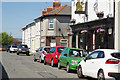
<point>3,72</point>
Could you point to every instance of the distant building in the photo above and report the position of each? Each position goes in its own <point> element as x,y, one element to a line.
<point>50,29</point>
<point>16,42</point>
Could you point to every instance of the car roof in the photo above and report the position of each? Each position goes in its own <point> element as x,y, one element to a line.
<point>107,52</point>
<point>76,48</point>
<point>59,46</point>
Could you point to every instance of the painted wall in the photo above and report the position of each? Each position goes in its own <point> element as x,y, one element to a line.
<point>107,6</point>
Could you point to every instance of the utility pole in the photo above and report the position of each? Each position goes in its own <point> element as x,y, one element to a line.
<point>117,25</point>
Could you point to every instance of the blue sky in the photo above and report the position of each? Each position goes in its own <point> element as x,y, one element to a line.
<point>16,15</point>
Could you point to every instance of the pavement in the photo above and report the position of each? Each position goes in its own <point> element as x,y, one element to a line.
<point>23,67</point>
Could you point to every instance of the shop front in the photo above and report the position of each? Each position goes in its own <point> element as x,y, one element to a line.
<point>97,34</point>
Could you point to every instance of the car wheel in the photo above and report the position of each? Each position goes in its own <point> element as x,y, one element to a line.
<point>52,63</point>
<point>79,72</point>
<point>101,75</point>
<point>10,51</point>
<point>45,61</point>
<point>35,59</point>
<point>68,68</point>
<point>17,53</point>
<point>40,59</point>
<point>59,66</point>
<point>27,54</point>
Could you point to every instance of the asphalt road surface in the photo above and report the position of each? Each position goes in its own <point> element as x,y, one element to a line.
<point>22,66</point>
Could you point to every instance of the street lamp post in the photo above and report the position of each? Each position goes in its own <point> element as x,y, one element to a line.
<point>117,25</point>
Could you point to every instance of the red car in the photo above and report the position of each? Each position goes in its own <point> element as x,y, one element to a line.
<point>53,55</point>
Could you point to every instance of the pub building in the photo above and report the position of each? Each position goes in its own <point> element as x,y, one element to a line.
<point>94,34</point>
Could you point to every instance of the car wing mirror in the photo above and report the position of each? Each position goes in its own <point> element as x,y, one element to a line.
<point>65,55</point>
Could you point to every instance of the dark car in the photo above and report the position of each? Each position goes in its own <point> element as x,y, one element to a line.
<point>23,49</point>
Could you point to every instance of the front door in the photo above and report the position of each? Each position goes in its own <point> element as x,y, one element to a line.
<point>53,42</point>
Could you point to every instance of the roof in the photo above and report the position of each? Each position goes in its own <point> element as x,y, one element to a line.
<point>63,10</point>
<point>16,41</point>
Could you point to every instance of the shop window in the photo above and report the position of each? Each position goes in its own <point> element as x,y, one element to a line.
<point>64,42</point>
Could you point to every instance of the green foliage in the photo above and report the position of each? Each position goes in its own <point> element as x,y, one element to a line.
<point>5,39</point>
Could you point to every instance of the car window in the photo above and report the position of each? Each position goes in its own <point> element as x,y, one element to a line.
<point>96,54</point>
<point>24,46</point>
<point>101,54</point>
<point>59,50</point>
<point>46,49</point>
<point>66,52</point>
<point>75,53</point>
<point>52,50</point>
<point>63,51</point>
<point>116,55</point>
<point>41,48</point>
<point>8,46</point>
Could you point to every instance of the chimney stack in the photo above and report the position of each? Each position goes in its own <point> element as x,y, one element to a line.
<point>44,12</point>
<point>49,8</point>
<point>56,4</point>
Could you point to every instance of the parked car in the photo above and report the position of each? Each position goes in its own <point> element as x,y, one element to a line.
<point>53,55</point>
<point>2,49</point>
<point>23,49</point>
<point>40,53</point>
<point>12,48</point>
<point>100,64</point>
<point>70,58</point>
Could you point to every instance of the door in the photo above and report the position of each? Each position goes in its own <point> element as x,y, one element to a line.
<point>65,57</point>
<point>53,42</point>
<point>93,62</point>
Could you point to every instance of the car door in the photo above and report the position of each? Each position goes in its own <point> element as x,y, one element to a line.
<point>61,57</point>
<point>40,51</point>
<point>92,63</point>
<point>65,57</point>
<point>52,54</point>
<point>37,53</point>
<point>47,56</point>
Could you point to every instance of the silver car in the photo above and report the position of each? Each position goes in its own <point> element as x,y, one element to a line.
<point>40,53</point>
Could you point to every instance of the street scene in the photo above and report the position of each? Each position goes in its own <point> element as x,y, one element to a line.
<point>23,66</point>
<point>74,39</point>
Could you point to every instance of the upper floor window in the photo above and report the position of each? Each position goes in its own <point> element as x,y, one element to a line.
<point>51,23</point>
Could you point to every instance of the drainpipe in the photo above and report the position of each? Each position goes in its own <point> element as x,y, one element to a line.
<point>117,25</point>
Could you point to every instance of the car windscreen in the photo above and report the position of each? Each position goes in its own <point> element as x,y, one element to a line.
<point>116,55</point>
<point>59,50</point>
<point>24,46</point>
<point>46,49</point>
<point>75,53</point>
<point>14,46</point>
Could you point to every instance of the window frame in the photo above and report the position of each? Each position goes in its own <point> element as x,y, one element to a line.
<point>51,23</point>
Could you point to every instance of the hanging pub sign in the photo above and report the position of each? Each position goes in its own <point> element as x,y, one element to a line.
<point>81,6</point>
<point>100,30</point>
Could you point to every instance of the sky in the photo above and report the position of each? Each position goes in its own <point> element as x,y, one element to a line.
<point>16,15</point>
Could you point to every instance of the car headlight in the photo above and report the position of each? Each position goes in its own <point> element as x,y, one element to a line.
<point>74,62</point>
<point>20,49</point>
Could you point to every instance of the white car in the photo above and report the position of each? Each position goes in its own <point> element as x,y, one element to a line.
<point>12,48</point>
<point>101,64</point>
<point>40,53</point>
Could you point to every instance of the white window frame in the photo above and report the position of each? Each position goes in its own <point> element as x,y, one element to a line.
<point>64,42</point>
<point>51,23</point>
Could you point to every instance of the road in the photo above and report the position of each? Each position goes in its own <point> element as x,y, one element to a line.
<point>22,66</point>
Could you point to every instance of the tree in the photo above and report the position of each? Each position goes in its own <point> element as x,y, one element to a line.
<point>5,39</point>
